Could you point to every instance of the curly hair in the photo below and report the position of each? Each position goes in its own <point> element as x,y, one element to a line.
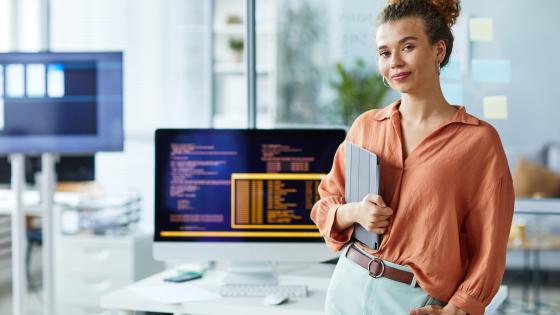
<point>438,17</point>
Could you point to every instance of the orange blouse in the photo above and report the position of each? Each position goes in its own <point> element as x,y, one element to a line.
<point>452,199</point>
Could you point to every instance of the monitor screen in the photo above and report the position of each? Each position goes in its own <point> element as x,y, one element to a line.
<point>240,185</point>
<point>61,102</point>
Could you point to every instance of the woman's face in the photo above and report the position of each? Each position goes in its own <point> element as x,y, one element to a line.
<point>406,58</point>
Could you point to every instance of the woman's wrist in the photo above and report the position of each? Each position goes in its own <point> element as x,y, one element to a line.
<point>344,216</point>
<point>455,310</point>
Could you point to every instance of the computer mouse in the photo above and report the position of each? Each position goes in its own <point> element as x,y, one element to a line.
<point>275,299</point>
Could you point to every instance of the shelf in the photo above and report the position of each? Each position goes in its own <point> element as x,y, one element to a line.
<point>191,28</point>
<point>238,29</point>
<point>238,68</point>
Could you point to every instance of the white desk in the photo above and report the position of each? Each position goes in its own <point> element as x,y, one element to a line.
<point>316,277</point>
<point>537,206</point>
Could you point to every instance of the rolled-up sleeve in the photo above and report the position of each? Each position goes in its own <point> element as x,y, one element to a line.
<point>331,190</point>
<point>487,225</point>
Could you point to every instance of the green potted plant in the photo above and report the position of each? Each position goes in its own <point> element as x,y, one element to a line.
<point>359,89</point>
<point>236,45</point>
<point>234,19</point>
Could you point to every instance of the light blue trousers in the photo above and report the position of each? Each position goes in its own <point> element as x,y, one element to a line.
<point>353,291</point>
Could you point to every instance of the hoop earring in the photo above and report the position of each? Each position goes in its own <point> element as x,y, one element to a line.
<point>438,68</point>
<point>385,81</point>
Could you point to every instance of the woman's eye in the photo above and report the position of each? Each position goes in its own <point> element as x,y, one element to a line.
<point>384,54</point>
<point>408,48</point>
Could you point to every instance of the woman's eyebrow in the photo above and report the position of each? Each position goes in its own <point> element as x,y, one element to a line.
<point>402,40</point>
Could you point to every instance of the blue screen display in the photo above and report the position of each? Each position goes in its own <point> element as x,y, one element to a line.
<point>240,185</point>
<point>61,102</point>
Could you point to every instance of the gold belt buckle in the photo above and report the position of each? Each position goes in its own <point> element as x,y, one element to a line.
<point>382,267</point>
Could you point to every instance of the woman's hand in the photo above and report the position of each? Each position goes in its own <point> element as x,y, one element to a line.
<point>449,309</point>
<point>372,213</point>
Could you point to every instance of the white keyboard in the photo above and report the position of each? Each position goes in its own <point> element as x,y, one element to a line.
<point>259,290</point>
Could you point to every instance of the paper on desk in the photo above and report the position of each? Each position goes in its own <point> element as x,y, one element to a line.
<point>173,293</point>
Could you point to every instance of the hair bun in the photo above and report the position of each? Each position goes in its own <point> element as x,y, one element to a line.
<point>448,9</point>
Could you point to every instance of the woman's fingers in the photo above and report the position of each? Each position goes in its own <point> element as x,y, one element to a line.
<point>382,208</point>
<point>377,226</point>
<point>375,205</point>
<point>379,218</point>
<point>376,199</point>
<point>430,309</point>
<point>378,230</point>
<point>373,214</point>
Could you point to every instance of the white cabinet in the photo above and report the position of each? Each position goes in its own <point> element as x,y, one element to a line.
<point>88,266</point>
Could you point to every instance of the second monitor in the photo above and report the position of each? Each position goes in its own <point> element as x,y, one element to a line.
<point>240,194</point>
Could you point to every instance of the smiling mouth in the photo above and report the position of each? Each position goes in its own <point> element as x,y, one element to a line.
<point>401,76</point>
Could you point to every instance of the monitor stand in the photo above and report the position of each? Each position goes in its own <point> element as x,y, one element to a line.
<point>251,273</point>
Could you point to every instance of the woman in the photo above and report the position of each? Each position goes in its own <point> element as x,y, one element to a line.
<point>446,195</point>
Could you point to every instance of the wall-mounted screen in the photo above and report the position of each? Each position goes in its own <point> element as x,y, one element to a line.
<point>61,102</point>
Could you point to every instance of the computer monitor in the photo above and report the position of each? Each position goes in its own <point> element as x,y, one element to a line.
<point>69,168</point>
<point>61,102</point>
<point>240,195</point>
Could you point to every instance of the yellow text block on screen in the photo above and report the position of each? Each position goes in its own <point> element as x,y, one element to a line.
<point>481,29</point>
<point>495,107</point>
<point>250,207</point>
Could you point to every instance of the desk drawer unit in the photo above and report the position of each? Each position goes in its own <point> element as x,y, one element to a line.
<point>84,310</point>
<point>106,258</point>
<point>88,266</point>
<point>86,289</point>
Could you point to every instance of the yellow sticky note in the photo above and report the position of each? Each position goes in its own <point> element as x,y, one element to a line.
<point>495,107</point>
<point>481,29</point>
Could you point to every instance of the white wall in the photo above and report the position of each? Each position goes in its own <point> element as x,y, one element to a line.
<point>5,24</point>
<point>163,79</point>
